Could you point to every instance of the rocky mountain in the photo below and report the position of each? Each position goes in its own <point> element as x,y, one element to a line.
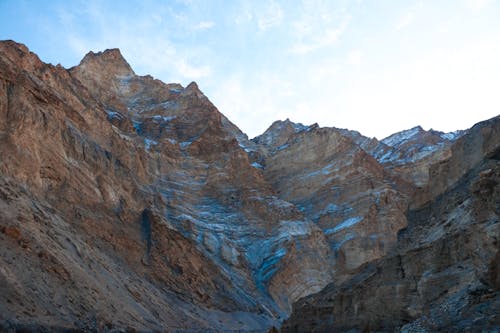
<point>128,204</point>
<point>443,274</point>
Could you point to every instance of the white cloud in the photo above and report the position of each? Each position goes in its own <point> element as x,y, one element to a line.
<point>443,89</point>
<point>405,20</point>
<point>477,5</point>
<point>320,40</point>
<point>192,72</point>
<point>408,17</point>
<point>354,57</point>
<point>244,14</point>
<point>271,16</point>
<point>328,38</point>
<point>320,24</point>
<point>203,25</point>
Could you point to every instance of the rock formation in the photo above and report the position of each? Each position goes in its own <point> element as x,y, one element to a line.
<point>131,204</point>
<point>443,273</point>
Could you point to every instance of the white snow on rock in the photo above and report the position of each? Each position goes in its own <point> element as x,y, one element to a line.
<point>113,115</point>
<point>148,143</point>
<point>185,144</point>
<point>245,148</point>
<point>345,224</point>
<point>163,118</point>
<point>257,165</point>
<point>401,137</point>
<point>451,136</point>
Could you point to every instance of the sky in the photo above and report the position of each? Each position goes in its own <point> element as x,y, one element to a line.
<point>375,66</point>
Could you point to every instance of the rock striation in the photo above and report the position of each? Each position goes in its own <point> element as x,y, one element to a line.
<point>443,273</point>
<point>129,204</point>
<point>139,196</point>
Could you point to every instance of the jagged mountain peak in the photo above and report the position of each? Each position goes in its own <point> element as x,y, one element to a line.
<point>109,60</point>
<point>193,86</point>
<point>19,54</point>
<point>418,135</point>
<point>15,45</point>
<point>402,136</point>
<point>280,124</point>
<point>280,131</point>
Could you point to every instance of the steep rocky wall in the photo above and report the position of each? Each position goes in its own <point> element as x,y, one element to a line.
<point>149,179</point>
<point>443,276</point>
<point>483,139</point>
<point>337,185</point>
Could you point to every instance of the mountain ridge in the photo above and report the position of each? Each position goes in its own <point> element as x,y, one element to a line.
<point>148,199</point>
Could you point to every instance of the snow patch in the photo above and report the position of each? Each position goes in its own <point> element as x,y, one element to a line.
<point>451,136</point>
<point>269,267</point>
<point>185,144</point>
<point>345,224</point>
<point>295,228</point>
<point>347,238</point>
<point>300,127</point>
<point>331,208</point>
<point>172,105</point>
<point>286,145</point>
<point>148,143</point>
<point>163,118</point>
<point>389,156</point>
<point>257,165</point>
<point>114,115</point>
<point>401,137</point>
<point>245,148</point>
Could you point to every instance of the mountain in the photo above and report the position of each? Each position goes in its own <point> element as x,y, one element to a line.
<point>443,274</point>
<point>128,204</point>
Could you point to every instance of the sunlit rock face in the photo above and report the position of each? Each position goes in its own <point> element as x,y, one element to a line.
<point>356,189</point>
<point>139,194</point>
<point>443,273</point>
<point>336,184</point>
<point>131,204</point>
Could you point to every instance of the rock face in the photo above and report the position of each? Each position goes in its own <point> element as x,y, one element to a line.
<point>136,195</point>
<point>131,204</point>
<point>443,273</point>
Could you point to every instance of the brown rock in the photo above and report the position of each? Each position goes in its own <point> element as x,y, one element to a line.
<point>443,274</point>
<point>128,203</point>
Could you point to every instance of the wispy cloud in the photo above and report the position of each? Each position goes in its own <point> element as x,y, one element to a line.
<point>320,40</point>
<point>405,20</point>
<point>354,57</point>
<point>147,53</point>
<point>408,17</point>
<point>477,5</point>
<point>194,72</point>
<point>203,25</point>
<point>272,15</point>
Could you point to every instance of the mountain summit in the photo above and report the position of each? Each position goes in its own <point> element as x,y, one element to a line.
<point>129,204</point>
<point>110,61</point>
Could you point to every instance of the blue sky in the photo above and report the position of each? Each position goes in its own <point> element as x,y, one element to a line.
<point>374,66</point>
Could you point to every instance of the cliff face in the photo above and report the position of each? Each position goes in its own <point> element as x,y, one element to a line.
<point>128,203</point>
<point>443,273</point>
<point>134,195</point>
